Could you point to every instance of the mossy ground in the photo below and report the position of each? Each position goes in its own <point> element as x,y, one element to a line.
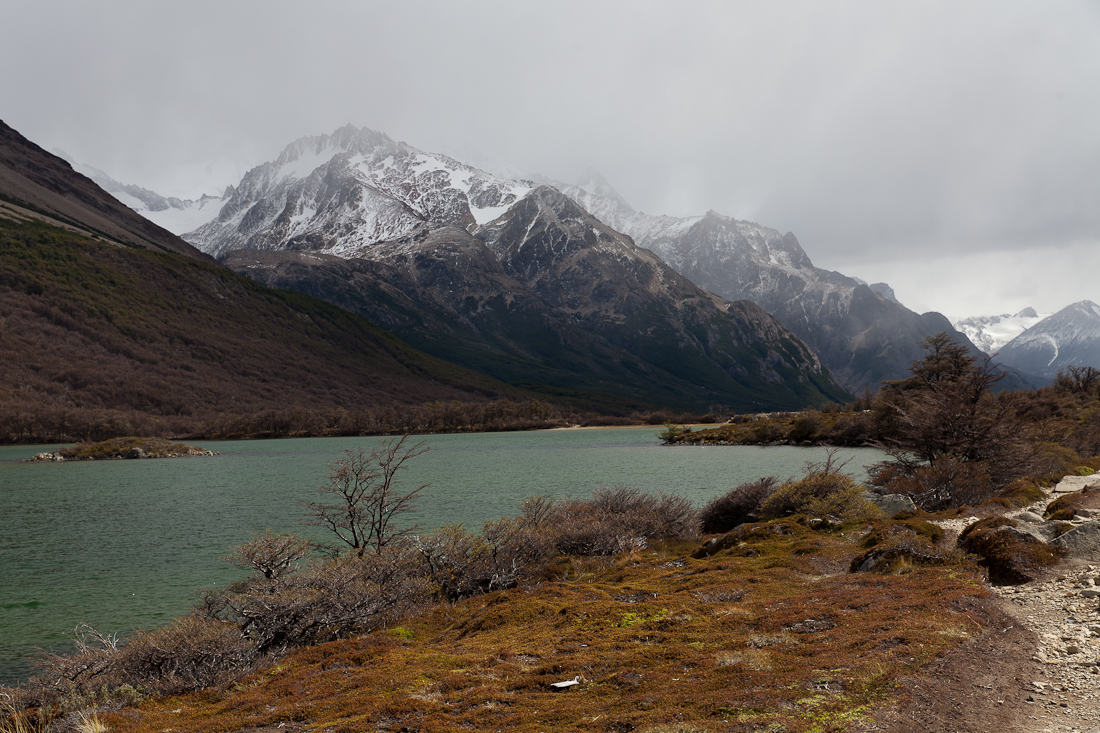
<point>767,635</point>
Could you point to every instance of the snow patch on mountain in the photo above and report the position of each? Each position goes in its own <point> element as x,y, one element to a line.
<point>990,333</point>
<point>1068,338</point>
<point>342,193</point>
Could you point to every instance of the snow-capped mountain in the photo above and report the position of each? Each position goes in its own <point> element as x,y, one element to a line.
<point>1070,337</point>
<point>860,332</point>
<point>344,194</point>
<point>990,333</point>
<point>178,216</point>
<point>502,275</point>
<point>341,193</point>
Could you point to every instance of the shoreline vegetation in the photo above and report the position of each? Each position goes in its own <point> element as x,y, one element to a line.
<point>70,425</point>
<point>773,607</point>
<point>121,449</point>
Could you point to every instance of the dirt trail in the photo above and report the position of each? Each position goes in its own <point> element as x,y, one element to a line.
<point>1035,670</point>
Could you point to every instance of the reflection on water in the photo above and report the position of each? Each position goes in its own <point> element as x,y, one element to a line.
<point>123,544</point>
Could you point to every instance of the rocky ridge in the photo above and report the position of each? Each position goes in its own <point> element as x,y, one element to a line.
<point>861,332</point>
<point>547,293</point>
<point>344,192</point>
<point>990,333</point>
<point>1069,338</point>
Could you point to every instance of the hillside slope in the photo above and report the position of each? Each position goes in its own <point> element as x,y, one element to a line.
<point>87,326</point>
<point>45,184</point>
<point>548,294</point>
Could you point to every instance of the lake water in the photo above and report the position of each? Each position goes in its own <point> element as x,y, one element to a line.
<point>122,545</point>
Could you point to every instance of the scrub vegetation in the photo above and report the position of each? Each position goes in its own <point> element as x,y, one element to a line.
<point>789,621</point>
<point>953,440</point>
<point>775,607</point>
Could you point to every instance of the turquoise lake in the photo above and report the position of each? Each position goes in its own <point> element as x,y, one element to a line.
<point>122,545</point>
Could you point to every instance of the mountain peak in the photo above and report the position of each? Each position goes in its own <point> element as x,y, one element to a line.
<point>593,182</point>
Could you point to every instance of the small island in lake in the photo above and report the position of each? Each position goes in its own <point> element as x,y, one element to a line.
<point>122,448</point>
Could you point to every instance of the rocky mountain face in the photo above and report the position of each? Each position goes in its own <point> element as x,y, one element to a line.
<point>342,193</point>
<point>860,332</point>
<point>1070,337</point>
<point>43,185</point>
<point>990,333</point>
<point>547,293</point>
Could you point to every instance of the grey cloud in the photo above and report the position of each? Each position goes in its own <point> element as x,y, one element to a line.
<point>877,132</point>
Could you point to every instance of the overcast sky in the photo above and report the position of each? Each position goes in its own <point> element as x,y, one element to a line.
<point>951,149</point>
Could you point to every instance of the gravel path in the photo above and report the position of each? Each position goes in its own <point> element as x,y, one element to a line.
<point>1037,667</point>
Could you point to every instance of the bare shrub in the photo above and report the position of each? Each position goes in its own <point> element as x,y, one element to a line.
<point>508,551</point>
<point>737,506</point>
<point>946,482</point>
<point>327,600</point>
<point>269,554</point>
<point>621,519</point>
<point>189,653</point>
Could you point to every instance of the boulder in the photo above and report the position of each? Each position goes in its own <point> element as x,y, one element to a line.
<point>1082,541</point>
<point>1070,484</point>
<point>135,452</point>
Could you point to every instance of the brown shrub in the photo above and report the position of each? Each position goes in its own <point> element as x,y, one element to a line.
<point>1011,556</point>
<point>855,430</point>
<point>739,505</point>
<point>327,600</point>
<point>821,492</point>
<point>1067,506</point>
<point>508,551</point>
<point>945,483</point>
<point>190,653</point>
<point>621,519</point>
<point>901,544</point>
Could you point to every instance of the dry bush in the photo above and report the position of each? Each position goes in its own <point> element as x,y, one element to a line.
<point>1011,556</point>
<point>901,545</point>
<point>621,519</point>
<point>1067,506</point>
<point>737,506</point>
<point>805,427</point>
<point>947,482</point>
<point>508,551</point>
<point>189,653</point>
<point>327,600</point>
<point>852,430</point>
<point>270,554</point>
<point>821,492</point>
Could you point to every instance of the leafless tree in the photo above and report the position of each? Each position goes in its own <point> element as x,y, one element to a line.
<point>366,499</point>
<point>270,554</point>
